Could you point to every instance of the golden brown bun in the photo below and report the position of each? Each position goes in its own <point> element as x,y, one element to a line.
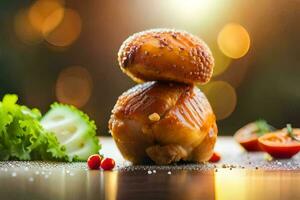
<point>165,122</point>
<point>165,54</point>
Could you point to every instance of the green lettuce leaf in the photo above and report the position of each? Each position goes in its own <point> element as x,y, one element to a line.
<point>21,135</point>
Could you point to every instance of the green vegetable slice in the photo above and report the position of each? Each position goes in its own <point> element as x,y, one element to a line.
<point>73,129</point>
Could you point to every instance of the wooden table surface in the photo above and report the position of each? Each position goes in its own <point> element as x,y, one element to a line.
<point>239,175</point>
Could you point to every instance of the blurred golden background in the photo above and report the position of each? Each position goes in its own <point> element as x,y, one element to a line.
<point>56,50</point>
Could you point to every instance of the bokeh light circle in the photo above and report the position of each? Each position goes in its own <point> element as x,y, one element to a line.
<point>222,97</point>
<point>41,10</point>
<point>24,30</point>
<point>52,21</point>
<point>67,31</point>
<point>222,62</point>
<point>74,86</point>
<point>234,40</point>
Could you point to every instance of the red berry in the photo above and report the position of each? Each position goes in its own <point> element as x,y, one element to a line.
<point>94,161</point>
<point>215,157</point>
<point>107,164</point>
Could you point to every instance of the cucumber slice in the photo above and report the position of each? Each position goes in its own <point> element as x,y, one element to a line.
<point>73,129</point>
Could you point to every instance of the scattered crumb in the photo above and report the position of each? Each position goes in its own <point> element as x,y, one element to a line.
<point>154,117</point>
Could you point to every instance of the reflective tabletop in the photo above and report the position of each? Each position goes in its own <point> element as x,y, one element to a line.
<point>239,175</point>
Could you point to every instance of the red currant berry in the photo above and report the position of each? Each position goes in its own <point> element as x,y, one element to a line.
<point>94,161</point>
<point>107,164</point>
<point>215,157</point>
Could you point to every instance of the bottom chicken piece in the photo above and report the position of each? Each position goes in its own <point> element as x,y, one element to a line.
<point>164,122</point>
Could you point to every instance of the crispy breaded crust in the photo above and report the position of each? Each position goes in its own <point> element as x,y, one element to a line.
<point>166,54</point>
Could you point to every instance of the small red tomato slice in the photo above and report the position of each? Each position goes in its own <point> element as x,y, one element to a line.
<point>215,157</point>
<point>279,145</point>
<point>108,164</point>
<point>247,137</point>
<point>94,161</point>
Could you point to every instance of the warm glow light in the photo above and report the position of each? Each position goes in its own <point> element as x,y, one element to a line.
<point>24,30</point>
<point>234,40</point>
<point>74,86</point>
<point>41,11</point>
<point>226,181</point>
<point>222,97</point>
<point>221,61</point>
<point>252,184</point>
<point>190,7</point>
<point>191,11</point>
<point>67,31</point>
<point>111,185</point>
